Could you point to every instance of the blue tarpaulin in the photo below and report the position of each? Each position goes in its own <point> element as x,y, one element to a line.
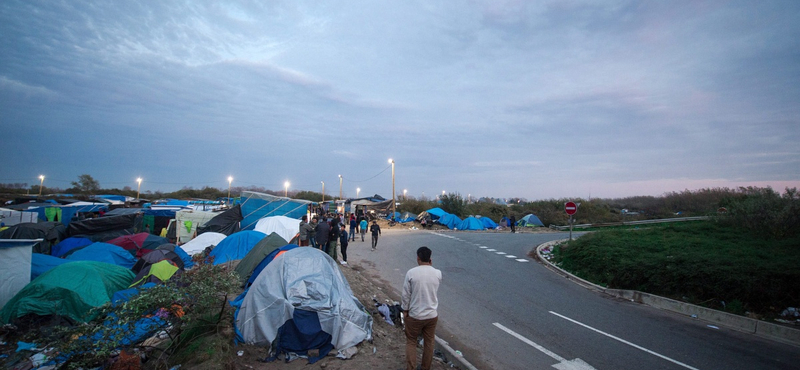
<point>104,252</point>
<point>41,263</point>
<point>450,220</point>
<point>236,246</point>
<point>488,223</point>
<point>256,206</point>
<point>470,223</point>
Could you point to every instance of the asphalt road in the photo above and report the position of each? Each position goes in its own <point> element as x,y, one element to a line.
<point>504,310</point>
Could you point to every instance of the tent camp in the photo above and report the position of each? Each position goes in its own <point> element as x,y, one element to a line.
<point>16,255</point>
<point>256,206</point>
<point>138,244</point>
<point>286,227</point>
<point>70,290</point>
<point>41,263</point>
<point>299,302</point>
<point>104,252</point>
<point>530,220</point>
<point>202,241</point>
<point>450,220</point>
<point>51,234</point>
<point>263,248</point>
<point>487,222</point>
<point>471,223</point>
<point>226,222</point>
<point>236,246</point>
<point>67,245</point>
<point>158,273</point>
<point>189,221</point>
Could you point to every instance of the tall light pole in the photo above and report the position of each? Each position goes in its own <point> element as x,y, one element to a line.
<point>404,193</point>
<point>230,180</point>
<point>41,184</point>
<point>286,189</point>
<point>138,187</point>
<point>394,203</point>
<point>358,190</point>
<point>323,191</point>
<point>340,187</point>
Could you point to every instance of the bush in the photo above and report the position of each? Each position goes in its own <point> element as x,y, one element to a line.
<point>764,211</point>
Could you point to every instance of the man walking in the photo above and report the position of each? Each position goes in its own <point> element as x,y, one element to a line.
<point>343,241</point>
<point>419,304</point>
<point>376,230</point>
<point>353,227</point>
<point>322,230</point>
<point>363,226</point>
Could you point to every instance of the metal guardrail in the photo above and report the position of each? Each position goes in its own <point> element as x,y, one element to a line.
<point>624,223</point>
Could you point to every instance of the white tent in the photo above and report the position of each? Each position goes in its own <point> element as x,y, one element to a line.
<point>202,241</point>
<point>16,255</point>
<point>187,222</point>
<point>286,227</point>
<point>11,217</point>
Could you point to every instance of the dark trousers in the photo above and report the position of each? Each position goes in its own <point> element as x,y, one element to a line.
<point>415,328</point>
<point>352,234</point>
<point>343,249</point>
<point>374,241</point>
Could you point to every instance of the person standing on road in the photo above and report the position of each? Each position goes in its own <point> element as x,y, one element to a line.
<point>376,230</point>
<point>353,227</point>
<point>343,241</point>
<point>363,226</point>
<point>419,305</point>
<point>322,230</point>
<point>304,231</point>
<point>513,222</point>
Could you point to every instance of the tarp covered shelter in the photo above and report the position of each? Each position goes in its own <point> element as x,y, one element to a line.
<point>286,227</point>
<point>189,221</point>
<point>70,290</point>
<point>16,272</point>
<point>226,222</point>
<point>487,222</point>
<point>267,260</point>
<point>236,246</point>
<point>402,218</point>
<point>51,234</point>
<point>139,244</point>
<point>256,206</point>
<point>104,228</point>
<point>381,206</point>
<point>471,223</point>
<point>41,263</point>
<point>202,241</point>
<point>156,256</point>
<point>67,245</point>
<point>11,217</point>
<point>530,220</point>
<point>263,248</point>
<point>450,220</point>
<point>104,252</point>
<point>187,260</point>
<point>302,295</point>
<point>158,273</point>
<point>436,213</point>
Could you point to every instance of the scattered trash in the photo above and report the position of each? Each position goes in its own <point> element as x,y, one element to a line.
<point>240,353</point>
<point>23,346</point>
<point>176,367</point>
<point>459,354</point>
<point>712,327</point>
<point>347,353</point>
<point>374,350</point>
<point>694,316</point>
<point>791,311</point>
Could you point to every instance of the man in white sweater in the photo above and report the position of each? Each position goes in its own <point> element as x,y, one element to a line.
<point>419,304</point>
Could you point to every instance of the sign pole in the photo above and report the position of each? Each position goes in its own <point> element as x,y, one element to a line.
<point>570,227</point>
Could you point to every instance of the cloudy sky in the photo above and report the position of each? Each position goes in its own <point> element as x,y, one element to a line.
<point>533,99</point>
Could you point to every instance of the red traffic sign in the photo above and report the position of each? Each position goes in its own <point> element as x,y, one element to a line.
<point>570,207</point>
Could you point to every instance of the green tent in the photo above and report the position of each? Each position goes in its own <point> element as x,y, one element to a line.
<point>158,272</point>
<point>257,254</point>
<point>70,290</point>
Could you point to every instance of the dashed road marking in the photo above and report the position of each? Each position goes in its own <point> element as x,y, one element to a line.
<point>483,247</point>
<point>510,256</point>
<point>521,260</point>
<point>501,253</point>
<point>491,250</point>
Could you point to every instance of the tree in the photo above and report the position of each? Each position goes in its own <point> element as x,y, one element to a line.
<point>453,203</point>
<point>86,184</point>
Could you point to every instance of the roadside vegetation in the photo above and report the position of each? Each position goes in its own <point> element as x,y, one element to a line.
<point>744,261</point>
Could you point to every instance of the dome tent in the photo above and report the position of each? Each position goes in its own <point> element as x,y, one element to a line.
<point>530,220</point>
<point>470,223</point>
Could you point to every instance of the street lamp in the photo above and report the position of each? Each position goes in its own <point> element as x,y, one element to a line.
<point>340,186</point>
<point>138,187</point>
<point>41,184</point>
<point>286,189</point>
<point>404,193</point>
<point>394,203</point>
<point>230,180</point>
<point>358,190</point>
<point>323,191</point>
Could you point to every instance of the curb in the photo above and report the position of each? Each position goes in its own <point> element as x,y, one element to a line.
<point>759,328</point>
<point>454,356</point>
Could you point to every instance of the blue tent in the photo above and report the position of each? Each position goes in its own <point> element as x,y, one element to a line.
<point>104,252</point>
<point>437,212</point>
<point>530,220</point>
<point>402,218</point>
<point>69,244</point>
<point>267,260</point>
<point>236,246</point>
<point>256,206</point>
<point>470,223</point>
<point>488,223</point>
<point>41,263</point>
<point>450,220</point>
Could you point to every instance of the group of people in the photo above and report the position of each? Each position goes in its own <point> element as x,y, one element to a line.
<point>327,231</point>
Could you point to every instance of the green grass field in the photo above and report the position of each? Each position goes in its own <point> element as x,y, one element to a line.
<point>698,262</point>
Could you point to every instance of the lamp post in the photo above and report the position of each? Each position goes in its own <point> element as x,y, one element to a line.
<point>340,187</point>
<point>323,191</point>
<point>404,193</point>
<point>358,190</point>
<point>41,184</point>
<point>138,187</point>
<point>286,189</point>
<point>394,203</point>
<point>230,180</point>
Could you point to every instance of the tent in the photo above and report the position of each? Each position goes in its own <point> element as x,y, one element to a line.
<point>530,221</point>
<point>202,241</point>
<point>158,273</point>
<point>402,218</point>
<point>226,222</point>
<point>487,222</point>
<point>138,244</point>
<point>450,220</point>
<point>102,227</point>
<point>67,245</point>
<point>156,256</point>
<point>471,223</point>
<point>436,213</point>
<point>70,290</point>
<point>264,262</point>
<point>104,252</point>
<point>16,272</point>
<point>236,246</point>
<point>11,217</point>
<point>256,255</point>
<point>41,263</point>
<point>51,234</point>
<point>286,227</point>
<point>187,260</point>
<point>256,206</point>
<point>189,222</point>
<point>301,301</point>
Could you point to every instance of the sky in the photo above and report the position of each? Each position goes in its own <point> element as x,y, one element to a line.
<point>495,98</point>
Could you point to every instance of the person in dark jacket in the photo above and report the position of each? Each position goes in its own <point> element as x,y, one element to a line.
<point>376,230</point>
<point>343,239</point>
<point>353,227</point>
<point>333,237</point>
<point>322,230</point>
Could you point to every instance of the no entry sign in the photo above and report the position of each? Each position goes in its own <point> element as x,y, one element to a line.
<point>571,208</point>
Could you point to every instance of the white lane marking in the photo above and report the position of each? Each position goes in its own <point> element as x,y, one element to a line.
<point>483,247</point>
<point>563,363</point>
<point>521,260</point>
<point>500,253</point>
<point>625,341</point>
<point>491,250</point>
<point>510,256</point>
